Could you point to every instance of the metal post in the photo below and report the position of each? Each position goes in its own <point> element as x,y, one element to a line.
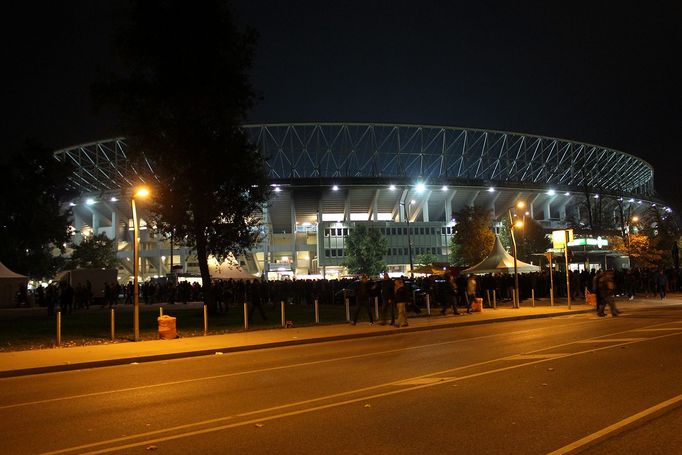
<point>551,281</point>
<point>113,326</point>
<point>136,266</point>
<point>376,307</point>
<point>205,320</point>
<point>246,316</point>
<point>347,309</point>
<point>317,312</point>
<point>494,299</point>
<point>160,311</point>
<point>428,304</point>
<point>568,276</point>
<point>281,305</point>
<point>513,297</point>
<point>59,328</point>
<point>532,295</point>
<point>487,294</point>
<point>516,272</point>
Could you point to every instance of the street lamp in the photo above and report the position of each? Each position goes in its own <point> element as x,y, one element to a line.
<point>141,193</point>
<point>518,224</point>
<point>409,237</point>
<point>634,219</point>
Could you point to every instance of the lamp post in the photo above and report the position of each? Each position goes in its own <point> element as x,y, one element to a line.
<point>142,193</point>
<point>409,236</point>
<point>634,219</point>
<point>519,205</point>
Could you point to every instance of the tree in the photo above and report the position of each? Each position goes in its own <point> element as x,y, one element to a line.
<point>473,239</point>
<point>94,252</point>
<point>33,221</point>
<point>180,107</point>
<point>426,259</point>
<point>365,250</point>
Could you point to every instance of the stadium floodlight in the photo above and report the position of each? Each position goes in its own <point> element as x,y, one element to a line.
<point>420,187</point>
<point>113,199</point>
<point>391,187</point>
<point>491,190</point>
<point>551,192</point>
<point>444,188</point>
<point>567,193</point>
<point>335,188</point>
<point>72,204</point>
<point>90,201</point>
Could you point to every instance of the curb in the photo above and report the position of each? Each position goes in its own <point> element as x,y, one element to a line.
<point>276,344</point>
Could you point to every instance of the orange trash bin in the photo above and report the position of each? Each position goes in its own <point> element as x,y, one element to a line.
<point>167,330</point>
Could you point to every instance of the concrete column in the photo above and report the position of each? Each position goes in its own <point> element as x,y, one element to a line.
<point>472,199</point>
<point>492,204</point>
<point>448,206</point>
<point>95,222</point>
<point>547,209</point>
<point>114,227</point>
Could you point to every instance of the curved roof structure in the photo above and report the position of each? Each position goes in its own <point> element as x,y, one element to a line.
<point>369,151</point>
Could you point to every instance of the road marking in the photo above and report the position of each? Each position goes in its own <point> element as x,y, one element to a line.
<point>420,381</point>
<point>536,356</point>
<point>265,370</point>
<point>661,329</point>
<point>442,380</point>
<point>609,340</point>
<point>617,426</point>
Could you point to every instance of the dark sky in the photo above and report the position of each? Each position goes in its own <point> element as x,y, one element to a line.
<point>597,72</point>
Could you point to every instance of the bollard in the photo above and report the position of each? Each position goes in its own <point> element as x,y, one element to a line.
<point>428,304</point>
<point>487,294</point>
<point>532,295</point>
<point>246,316</point>
<point>494,299</point>
<point>59,328</point>
<point>376,307</point>
<point>551,297</point>
<point>160,311</point>
<point>347,309</point>
<point>113,325</point>
<point>513,298</point>
<point>205,321</point>
<point>317,312</point>
<point>284,322</point>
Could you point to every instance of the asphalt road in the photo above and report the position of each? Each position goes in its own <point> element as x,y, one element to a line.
<point>578,383</point>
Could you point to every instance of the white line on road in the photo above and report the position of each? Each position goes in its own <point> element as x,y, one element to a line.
<point>617,426</point>
<point>418,385</point>
<point>269,369</point>
<point>608,340</point>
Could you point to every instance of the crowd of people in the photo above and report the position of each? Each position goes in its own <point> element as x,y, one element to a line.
<point>449,291</point>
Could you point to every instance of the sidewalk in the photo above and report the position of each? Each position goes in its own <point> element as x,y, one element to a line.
<point>18,363</point>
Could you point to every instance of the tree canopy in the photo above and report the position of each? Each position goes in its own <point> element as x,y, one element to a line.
<point>33,220</point>
<point>473,238</point>
<point>365,250</point>
<point>181,106</point>
<point>97,251</point>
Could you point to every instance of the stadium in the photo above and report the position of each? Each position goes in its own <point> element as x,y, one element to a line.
<point>403,179</point>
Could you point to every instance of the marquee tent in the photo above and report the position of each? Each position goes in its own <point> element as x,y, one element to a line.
<point>499,261</point>
<point>9,285</point>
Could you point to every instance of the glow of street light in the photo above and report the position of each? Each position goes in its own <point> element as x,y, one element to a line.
<point>635,219</point>
<point>141,192</point>
<point>113,199</point>
<point>520,204</point>
<point>519,224</point>
<point>413,201</point>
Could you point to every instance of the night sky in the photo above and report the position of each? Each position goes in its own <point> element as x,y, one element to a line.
<point>605,74</point>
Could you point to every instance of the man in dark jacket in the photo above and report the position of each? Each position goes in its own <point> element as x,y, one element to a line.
<point>362,297</point>
<point>387,302</point>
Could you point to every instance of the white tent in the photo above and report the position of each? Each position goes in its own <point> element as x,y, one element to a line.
<point>499,261</point>
<point>9,285</point>
<point>228,270</point>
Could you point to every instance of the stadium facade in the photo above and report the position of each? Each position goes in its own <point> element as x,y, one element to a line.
<point>329,177</point>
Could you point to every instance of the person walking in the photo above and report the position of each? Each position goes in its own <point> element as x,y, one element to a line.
<point>471,291</point>
<point>387,299</point>
<point>362,296</point>
<point>661,283</point>
<point>606,286</point>
<point>402,299</point>
<point>450,297</point>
